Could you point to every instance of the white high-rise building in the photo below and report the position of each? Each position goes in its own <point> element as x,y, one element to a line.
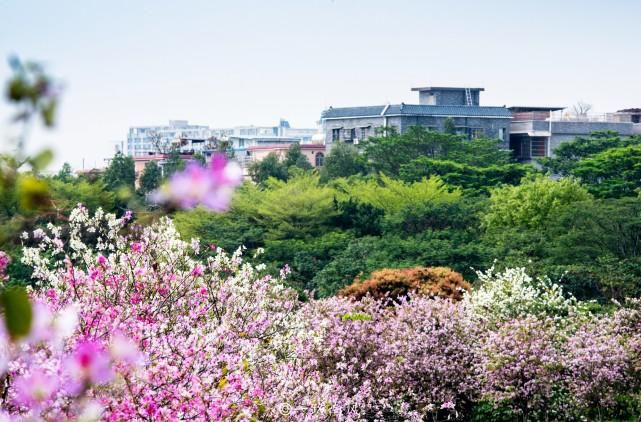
<point>146,140</point>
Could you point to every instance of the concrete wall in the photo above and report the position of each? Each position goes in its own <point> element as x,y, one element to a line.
<point>586,128</point>
<point>371,125</point>
<point>447,97</point>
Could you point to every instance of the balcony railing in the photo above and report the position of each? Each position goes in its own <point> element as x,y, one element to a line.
<point>571,117</point>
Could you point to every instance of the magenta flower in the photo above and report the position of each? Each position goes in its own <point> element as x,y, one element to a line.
<point>210,187</point>
<point>4,263</point>
<point>90,364</point>
<point>35,388</point>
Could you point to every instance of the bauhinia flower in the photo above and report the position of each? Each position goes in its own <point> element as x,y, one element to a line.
<point>90,364</point>
<point>210,186</point>
<point>35,388</point>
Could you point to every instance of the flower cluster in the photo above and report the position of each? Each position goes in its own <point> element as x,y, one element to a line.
<point>50,373</point>
<point>5,260</point>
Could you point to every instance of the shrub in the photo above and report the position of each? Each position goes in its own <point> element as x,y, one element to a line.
<point>397,283</point>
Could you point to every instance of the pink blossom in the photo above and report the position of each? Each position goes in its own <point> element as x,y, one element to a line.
<point>90,364</point>
<point>35,388</point>
<point>136,246</point>
<point>211,187</point>
<point>5,260</point>
<point>197,271</point>
<point>124,350</point>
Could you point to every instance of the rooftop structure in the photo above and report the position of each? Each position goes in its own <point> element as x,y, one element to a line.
<point>536,131</point>
<point>444,95</point>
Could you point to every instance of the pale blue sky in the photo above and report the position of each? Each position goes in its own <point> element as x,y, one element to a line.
<point>225,63</point>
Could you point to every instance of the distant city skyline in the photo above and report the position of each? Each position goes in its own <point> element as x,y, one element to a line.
<point>225,64</point>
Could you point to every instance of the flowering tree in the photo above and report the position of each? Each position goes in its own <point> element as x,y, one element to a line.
<point>513,293</point>
<point>596,363</point>
<point>521,366</point>
<point>212,333</point>
<point>410,362</point>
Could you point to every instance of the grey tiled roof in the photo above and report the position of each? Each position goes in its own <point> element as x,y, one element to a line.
<point>352,111</point>
<point>415,109</point>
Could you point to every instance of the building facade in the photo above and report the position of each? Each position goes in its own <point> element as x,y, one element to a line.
<point>146,140</point>
<point>530,132</point>
<point>315,153</point>
<point>536,131</point>
<point>244,138</point>
<point>436,106</point>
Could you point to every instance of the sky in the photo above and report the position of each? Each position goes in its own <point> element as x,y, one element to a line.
<point>224,63</point>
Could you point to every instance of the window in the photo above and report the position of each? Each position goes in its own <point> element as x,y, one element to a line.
<point>320,159</point>
<point>241,143</point>
<point>538,147</point>
<point>336,134</point>
<point>477,132</point>
<point>501,133</point>
<point>349,135</point>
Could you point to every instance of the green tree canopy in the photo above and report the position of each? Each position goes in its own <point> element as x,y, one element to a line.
<point>65,174</point>
<point>530,204</point>
<point>392,195</point>
<point>299,207</point>
<point>388,153</point>
<point>613,173</point>
<point>120,173</point>
<point>568,154</point>
<point>470,178</point>
<point>343,160</point>
<point>150,178</point>
<point>295,157</point>
<point>174,162</point>
<point>270,166</point>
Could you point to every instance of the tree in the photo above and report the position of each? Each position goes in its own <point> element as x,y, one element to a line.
<point>270,166</point>
<point>449,127</point>
<point>150,178</point>
<point>613,173</point>
<point>471,178</point>
<point>568,154</point>
<point>343,160</point>
<point>174,162</point>
<point>161,145</point>
<point>390,285</point>
<point>581,109</point>
<point>296,208</point>
<point>531,204</point>
<point>93,195</point>
<point>393,195</point>
<point>222,147</point>
<point>199,158</point>
<point>389,153</point>
<point>294,157</point>
<point>120,173</point>
<point>65,173</point>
